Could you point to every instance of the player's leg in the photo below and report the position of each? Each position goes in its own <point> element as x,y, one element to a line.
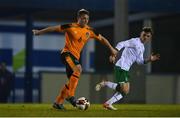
<point>121,92</point>
<point>73,82</point>
<point>122,87</point>
<point>108,104</point>
<point>104,83</point>
<point>63,93</point>
<point>122,81</point>
<point>75,71</point>
<point>121,77</point>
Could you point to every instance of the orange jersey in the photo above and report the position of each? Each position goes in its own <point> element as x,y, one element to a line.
<point>76,37</point>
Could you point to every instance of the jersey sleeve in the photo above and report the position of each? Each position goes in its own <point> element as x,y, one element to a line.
<point>94,34</point>
<point>128,43</point>
<point>64,27</point>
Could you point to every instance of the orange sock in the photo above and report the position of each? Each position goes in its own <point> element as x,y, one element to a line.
<point>68,90</point>
<point>73,83</point>
<point>62,95</point>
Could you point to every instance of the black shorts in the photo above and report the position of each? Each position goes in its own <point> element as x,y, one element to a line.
<point>69,70</point>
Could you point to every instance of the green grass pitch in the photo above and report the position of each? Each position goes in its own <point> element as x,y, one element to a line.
<point>95,110</point>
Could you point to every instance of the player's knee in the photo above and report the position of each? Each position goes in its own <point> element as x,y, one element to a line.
<point>124,91</point>
<point>77,73</point>
<point>79,68</point>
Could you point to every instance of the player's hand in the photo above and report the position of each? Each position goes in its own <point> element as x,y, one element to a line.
<point>36,32</point>
<point>112,59</point>
<point>154,57</point>
<point>114,52</point>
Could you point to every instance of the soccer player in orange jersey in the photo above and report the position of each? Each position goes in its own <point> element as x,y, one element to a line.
<point>76,35</point>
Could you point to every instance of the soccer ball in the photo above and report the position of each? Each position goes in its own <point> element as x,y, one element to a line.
<point>82,103</point>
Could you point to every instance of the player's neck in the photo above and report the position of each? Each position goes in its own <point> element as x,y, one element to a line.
<point>142,41</point>
<point>81,25</point>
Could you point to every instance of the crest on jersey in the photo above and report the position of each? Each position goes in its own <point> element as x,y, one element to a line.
<point>87,35</point>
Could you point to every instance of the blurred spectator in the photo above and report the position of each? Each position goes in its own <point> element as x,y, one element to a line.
<point>5,83</point>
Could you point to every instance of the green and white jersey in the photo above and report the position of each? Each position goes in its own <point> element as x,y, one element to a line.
<point>133,52</point>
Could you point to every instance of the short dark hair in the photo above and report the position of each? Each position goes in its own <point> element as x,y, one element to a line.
<point>82,11</point>
<point>147,30</point>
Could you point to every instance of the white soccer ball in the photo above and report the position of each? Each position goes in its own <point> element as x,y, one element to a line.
<point>82,103</point>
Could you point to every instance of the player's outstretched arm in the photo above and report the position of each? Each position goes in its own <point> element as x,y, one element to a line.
<point>46,30</point>
<point>152,57</point>
<point>104,41</point>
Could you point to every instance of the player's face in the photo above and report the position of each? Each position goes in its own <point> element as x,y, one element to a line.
<point>83,20</point>
<point>145,36</point>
